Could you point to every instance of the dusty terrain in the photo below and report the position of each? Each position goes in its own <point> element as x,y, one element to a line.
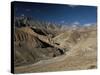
<point>41,50</point>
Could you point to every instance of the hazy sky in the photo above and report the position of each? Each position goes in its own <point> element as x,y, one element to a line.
<point>64,14</point>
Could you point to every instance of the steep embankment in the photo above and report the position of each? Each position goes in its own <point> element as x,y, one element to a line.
<point>30,48</point>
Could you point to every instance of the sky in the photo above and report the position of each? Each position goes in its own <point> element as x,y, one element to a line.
<point>57,13</point>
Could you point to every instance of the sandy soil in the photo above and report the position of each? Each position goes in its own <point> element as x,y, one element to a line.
<point>82,55</point>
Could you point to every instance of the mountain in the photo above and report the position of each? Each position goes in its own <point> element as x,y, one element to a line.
<point>42,47</point>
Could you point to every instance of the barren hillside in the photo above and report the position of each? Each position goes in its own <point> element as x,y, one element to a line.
<point>39,50</point>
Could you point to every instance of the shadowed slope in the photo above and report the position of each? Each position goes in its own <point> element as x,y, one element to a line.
<point>30,49</point>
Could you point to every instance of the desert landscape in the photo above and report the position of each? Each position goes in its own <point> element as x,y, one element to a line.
<point>50,47</point>
<point>53,37</point>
